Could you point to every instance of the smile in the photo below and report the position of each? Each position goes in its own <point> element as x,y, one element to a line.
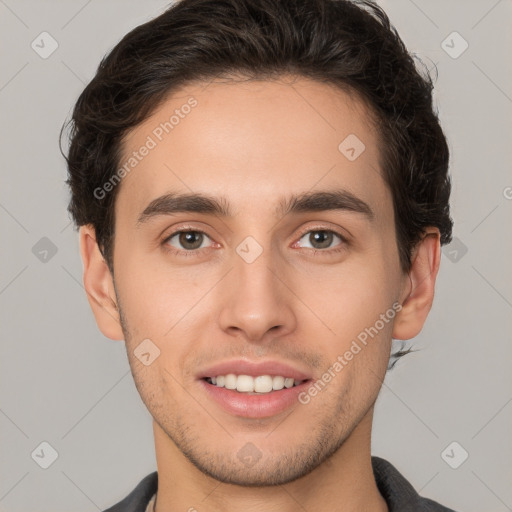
<point>261,384</point>
<point>253,404</point>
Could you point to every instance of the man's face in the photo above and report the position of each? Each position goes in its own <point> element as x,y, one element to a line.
<point>250,287</point>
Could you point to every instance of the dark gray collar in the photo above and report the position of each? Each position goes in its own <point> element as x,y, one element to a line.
<point>399,494</point>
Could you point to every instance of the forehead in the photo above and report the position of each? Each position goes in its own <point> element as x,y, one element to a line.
<point>252,142</point>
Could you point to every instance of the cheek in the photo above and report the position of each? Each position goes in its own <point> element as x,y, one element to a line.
<point>351,302</point>
<point>355,295</point>
<point>153,296</point>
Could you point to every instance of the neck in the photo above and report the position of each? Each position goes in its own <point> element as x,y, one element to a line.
<point>345,481</point>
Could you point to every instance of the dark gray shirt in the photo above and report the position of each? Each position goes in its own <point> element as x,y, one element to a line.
<point>399,494</point>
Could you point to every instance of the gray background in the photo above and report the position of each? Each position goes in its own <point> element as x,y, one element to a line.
<point>64,383</point>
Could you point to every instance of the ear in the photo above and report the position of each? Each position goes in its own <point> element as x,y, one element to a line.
<point>418,293</point>
<point>99,285</point>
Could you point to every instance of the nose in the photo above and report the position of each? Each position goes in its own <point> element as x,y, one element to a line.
<point>256,301</point>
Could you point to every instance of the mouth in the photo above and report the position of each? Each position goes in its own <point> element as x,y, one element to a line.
<point>253,389</point>
<point>254,385</point>
<point>253,396</point>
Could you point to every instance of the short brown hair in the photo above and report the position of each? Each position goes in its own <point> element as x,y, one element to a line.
<point>347,43</point>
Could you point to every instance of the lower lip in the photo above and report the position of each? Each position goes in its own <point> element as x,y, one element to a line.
<point>254,406</point>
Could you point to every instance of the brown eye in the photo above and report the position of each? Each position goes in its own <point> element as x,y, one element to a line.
<point>187,240</point>
<point>321,238</point>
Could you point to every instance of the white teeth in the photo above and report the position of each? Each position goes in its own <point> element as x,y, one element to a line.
<point>252,385</point>
<point>263,384</point>
<point>288,383</point>
<point>230,381</point>
<point>245,384</point>
<point>278,383</point>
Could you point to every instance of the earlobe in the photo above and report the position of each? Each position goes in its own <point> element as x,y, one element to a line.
<point>419,294</point>
<point>99,285</point>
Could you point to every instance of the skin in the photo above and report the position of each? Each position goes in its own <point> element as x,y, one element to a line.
<point>254,143</point>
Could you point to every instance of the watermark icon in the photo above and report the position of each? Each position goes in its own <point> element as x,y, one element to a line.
<point>249,455</point>
<point>146,352</point>
<point>507,192</point>
<point>454,455</point>
<point>249,249</point>
<point>44,455</point>
<point>351,147</point>
<point>343,360</point>
<point>152,140</point>
<point>44,249</point>
<point>455,250</point>
<point>454,45</point>
<point>44,45</point>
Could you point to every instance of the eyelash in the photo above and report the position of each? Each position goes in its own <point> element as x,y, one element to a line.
<point>190,229</point>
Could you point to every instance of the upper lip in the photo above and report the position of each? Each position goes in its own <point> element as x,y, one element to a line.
<point>252,368</point>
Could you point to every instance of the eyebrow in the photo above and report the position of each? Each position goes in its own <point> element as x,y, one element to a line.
<point>172,203</point>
